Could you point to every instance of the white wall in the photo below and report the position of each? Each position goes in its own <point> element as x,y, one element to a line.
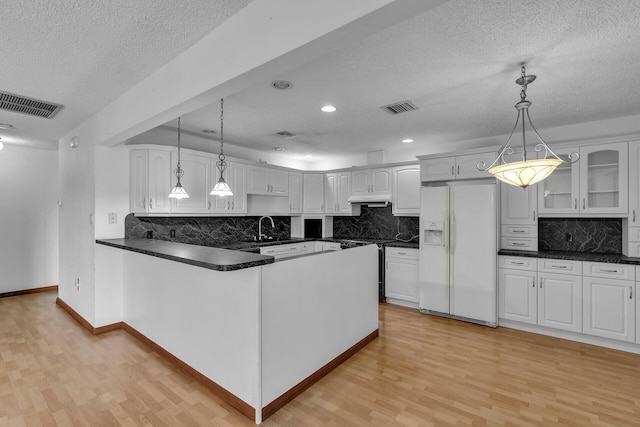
<point>112,190</point>
<point>28,218</point>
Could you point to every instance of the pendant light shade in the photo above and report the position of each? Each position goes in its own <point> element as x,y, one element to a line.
<point>525,172</point>
<point>178,191</point>
<point>221,189</point>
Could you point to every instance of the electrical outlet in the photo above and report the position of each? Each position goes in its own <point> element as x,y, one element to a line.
<point>149,234</point>
<point>172,233</point>
<point>113,218</point>
<point>78,284</point>
<point>568,237</point>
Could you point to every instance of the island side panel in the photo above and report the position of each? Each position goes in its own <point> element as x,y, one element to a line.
<point>206,318</point>
<point>313,309</point>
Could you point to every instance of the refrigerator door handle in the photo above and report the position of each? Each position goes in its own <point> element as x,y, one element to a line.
<point>450,239</point>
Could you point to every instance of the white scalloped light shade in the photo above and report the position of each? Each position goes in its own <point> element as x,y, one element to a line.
<point>525,173</point>
<point>178,192</point>
<point>221,189</point>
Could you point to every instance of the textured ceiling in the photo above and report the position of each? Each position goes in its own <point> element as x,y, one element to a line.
<point>85,53</point>
<point>457,63</point>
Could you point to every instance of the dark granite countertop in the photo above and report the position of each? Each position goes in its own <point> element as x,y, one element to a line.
<point>200,256</point>
<point>399,244</point>
<point>574,256</point>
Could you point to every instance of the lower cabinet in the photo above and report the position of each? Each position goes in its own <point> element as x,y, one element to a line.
<point>609,304</point>
<point>541,292</point>
<point>401,276</point>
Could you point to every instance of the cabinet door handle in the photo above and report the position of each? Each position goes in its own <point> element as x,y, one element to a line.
<point>209,205</point>
<point>575,203</point>
<point>584,203</point>
<point>233,205</point>
<point>144,203</point>
<point>402,253</point>
<point>559,266</point>
<point>458,170</point>
<point>452,170</point>
<point>518,244</point>
<point>541,283</point>
<point>516,263</point>
<point>150,203</point>
<point>604,270</point>
<point>630,292</point>
<point>518,231</point>
<point>634,215</point>
<point>533,282</point>
<point>534,215</point>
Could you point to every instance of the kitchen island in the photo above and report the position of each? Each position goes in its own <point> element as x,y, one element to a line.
<point>257,332</point>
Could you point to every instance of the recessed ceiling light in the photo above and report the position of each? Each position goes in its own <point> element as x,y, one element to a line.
<point>407,140</point>
<point>278,149</point>
<point>208,131</point>
<point>328,108</point>
<point>282,84</point>
<point>308,156</point>
<point>6,126</point>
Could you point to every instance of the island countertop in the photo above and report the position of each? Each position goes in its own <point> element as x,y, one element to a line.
<point>200,256</point>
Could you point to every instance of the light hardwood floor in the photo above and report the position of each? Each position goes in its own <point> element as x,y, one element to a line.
<point>421,371</point>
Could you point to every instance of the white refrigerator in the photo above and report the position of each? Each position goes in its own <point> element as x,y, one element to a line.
<point>458,250</point>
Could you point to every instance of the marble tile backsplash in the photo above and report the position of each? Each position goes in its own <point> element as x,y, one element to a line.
<point>376,223</point>
<point>206,231</point>
<point>594,235</point>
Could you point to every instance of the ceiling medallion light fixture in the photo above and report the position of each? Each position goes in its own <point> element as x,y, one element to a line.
<point>281,84</point>
<point>277,149</point>
<point>328,109</point>
<point>221,188</point>
<point>525,172</point>
<point>178,192</point>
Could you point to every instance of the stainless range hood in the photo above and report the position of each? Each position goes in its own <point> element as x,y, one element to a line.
<point>372,200</point>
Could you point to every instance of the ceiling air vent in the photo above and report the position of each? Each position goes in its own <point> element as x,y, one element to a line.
<point>399,107</point>
<point>285,134</point>
<point>30,106</point>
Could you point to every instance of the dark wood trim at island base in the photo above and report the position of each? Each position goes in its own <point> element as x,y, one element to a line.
<point>29,291</point>
<point>287,397</point>
<point>226,396</point>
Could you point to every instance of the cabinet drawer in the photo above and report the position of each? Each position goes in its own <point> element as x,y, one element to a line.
<point>517,263</point>
<point>519,231</point>
<point>610,271</point>
<point>519,244</point>
<point>407,253</point>
<point>560,266</point>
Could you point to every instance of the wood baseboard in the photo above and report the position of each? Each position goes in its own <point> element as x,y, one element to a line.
<point>29,291</point>
<point>222,393</point>
<point>288,396</point>
<point>88,326</point>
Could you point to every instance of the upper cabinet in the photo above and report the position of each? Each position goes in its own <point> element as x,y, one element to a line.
<point>296,191</point>
<point>235,176</point>
<point>267,181</point>
<point>371,181</point>
<point>313,194</point>
<point>337,189</point>
<point>455,167</point>
<point>597,184</point>
<point>406,190</point>
<point>197,183</point>
<point>150,181</point>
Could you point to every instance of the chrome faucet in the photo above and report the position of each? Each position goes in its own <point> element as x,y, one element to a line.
<point>260,235</point>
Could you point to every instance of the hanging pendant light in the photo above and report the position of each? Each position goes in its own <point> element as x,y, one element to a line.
<point>527,171</point>
<point>221,188</point>
<point>178,192</point>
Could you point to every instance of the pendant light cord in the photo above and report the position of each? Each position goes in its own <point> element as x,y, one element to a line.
<point>221,156</point>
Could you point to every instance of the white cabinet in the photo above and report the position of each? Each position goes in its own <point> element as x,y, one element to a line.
<point>637,304</point>
<point>371,181</point>
<point>595,185</point>
<point>150,181</point>
<point>288,250</point>
<point>560,294</point>
<point>517,292</point>
<point>267,181</point>
<point>547,292</point>
<point>609,308</point>
<point>401,276</point>
<point>235,176</point>
<point>337,190</point>
<point>455,167</point>
<point>296,191</point>
<point>197,183</point>
<point>518,217</point>
<point>631,246</point>
<point>406,190</point>
<point>313,193</point>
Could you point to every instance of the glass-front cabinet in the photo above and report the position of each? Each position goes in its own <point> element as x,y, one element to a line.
<point>596,184</point>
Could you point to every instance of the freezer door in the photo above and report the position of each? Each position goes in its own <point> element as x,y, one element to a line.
<point>434,259</point>
<point>473,251</point>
